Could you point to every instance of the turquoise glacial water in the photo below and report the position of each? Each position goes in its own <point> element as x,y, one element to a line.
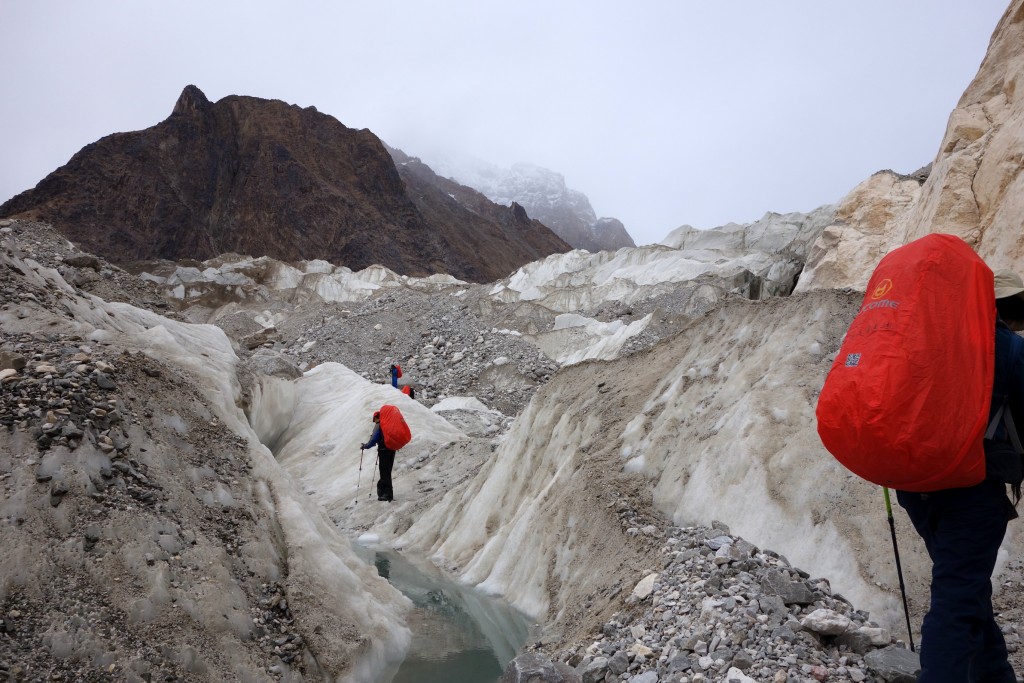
<point>459,635</point>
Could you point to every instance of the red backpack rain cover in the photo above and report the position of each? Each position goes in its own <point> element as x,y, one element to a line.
<point>393,427</point>
<point>906,402</point>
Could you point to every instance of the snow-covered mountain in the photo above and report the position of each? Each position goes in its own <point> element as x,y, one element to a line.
<point>544,195</point>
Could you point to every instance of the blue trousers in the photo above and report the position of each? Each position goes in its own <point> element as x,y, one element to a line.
<point>962,529</point>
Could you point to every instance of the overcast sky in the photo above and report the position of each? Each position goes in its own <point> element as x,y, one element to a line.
<point>663,112</point>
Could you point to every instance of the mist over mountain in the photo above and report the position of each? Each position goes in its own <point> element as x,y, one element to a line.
<point>262,177</point>
<point>544,195</point>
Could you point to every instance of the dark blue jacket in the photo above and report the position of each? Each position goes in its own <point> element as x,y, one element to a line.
<point>376,440</point>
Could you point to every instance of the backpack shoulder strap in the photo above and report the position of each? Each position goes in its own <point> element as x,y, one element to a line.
<point>1006,416</point>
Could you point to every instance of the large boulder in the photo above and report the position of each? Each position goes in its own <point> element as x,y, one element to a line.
<point>846,251</point>
<point>975,188</point>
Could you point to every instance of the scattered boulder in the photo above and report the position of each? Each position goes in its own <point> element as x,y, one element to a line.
<point>894,664</point>
<point>645,587</point>
<point>535,667</point>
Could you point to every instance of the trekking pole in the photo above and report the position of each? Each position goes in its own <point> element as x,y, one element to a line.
<point>374,474</point>
<point>899,567</point>
<point>359,479</point>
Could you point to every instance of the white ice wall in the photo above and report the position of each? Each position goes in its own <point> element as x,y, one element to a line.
<point>320,561</point>
<point>331,409</point>
<point>721,422</point>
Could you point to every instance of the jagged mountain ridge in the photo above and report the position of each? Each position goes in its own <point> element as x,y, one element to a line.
<point>544,195</point>
<point>262,177</point>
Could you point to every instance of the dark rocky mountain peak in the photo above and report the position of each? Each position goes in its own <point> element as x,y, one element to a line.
<point>266,178</point>
<point>192,101</point>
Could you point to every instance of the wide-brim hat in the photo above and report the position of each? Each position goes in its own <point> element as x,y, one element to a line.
<point>1008,283</point>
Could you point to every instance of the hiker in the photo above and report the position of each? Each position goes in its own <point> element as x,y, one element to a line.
<point>386,456</point>
<point>962,529</point>
<point>409,391</point>
<point>396,372</point>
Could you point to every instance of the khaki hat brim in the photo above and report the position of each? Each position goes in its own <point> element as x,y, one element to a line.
<point>1004,292</point>
<point>1007,283</point>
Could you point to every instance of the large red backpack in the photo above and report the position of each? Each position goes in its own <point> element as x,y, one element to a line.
<point>393,428</point>
<point>906,402</point>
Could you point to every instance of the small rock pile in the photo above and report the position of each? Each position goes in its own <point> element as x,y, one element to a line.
<point>59,392</point>
<point>274,628</point>
<point>720,609</point>
<point>85,272</point>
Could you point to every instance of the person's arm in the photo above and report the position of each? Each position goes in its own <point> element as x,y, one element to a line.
<point>374,440</point>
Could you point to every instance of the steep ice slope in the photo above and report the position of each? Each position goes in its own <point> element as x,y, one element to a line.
<point>350,620</point>
<point>580,280</point>
<point>718,423</point>
<point>331,409</point>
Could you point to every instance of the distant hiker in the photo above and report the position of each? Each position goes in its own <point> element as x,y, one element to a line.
<point>396,372</point>
<point>409,391</point>
<point>386,458</point>
<point>963,528</point>
<point>390,433</point>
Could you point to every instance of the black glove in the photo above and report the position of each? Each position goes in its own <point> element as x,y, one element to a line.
<point>362,447</point>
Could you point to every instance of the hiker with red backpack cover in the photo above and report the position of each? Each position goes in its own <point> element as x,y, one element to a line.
<point>390,433</point>
<point>963,528</point>
<point>396,372</point>
<point>917,400</point>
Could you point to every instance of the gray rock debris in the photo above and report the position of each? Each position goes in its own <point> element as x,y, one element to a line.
<point>533,667</point>
<point>745,616</point>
